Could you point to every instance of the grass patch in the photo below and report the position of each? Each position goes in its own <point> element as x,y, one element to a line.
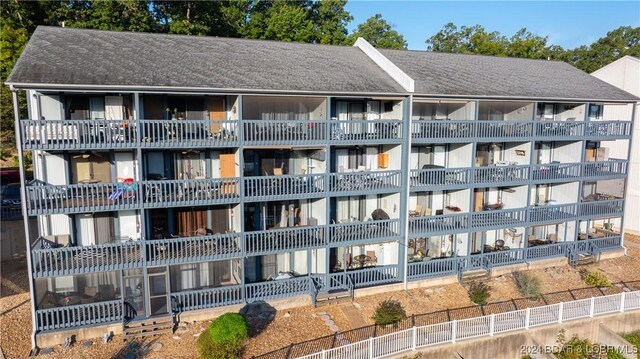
<point>479,293</point>
<point>528,284</point>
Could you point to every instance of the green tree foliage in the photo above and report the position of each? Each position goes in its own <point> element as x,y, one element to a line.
<point>330,20</point>
<point>118,15</point>
<point>620,42</point>
<point>379,33</point>
<point>476,40</point>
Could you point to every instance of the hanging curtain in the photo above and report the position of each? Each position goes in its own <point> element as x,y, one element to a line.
<point>189,220</point>
<point>104,228</point>
<point>85,224</point>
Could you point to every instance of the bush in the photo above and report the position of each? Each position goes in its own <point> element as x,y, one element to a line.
<point>389,312</point>
<point>597,279</point>
<point>479,292</point>
<point>224,337</point>
<point>633,338</point>
<point>528,284</point>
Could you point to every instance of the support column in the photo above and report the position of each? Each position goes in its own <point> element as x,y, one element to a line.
<point>327,197</point>
<point>243,243</point>
<point>25,217</point>
<point>403,260</point>
<point>626,179</point>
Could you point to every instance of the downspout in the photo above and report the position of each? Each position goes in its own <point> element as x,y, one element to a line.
<point>626,179</point>
<point>25,217</point>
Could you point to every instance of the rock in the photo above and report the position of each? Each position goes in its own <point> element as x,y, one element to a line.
<point>324,317</point>
<point>46,351</point>
<point>322,313</point>
<point>182,325</point>
<point>357,305</point>
<point>428,291</point>
<point>176,337</point>
<point>181,330</point>
<point>439,290</point>
<point>87,343</point>
<point>155,347</point>
<point>329,322</point>
<point>287,314</point>
<point>197,334</point>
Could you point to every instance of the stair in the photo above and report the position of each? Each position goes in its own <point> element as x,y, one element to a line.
<point>147,327</point>
<point>585,258</point>
<point>334,296</point>
<point>475,275</point>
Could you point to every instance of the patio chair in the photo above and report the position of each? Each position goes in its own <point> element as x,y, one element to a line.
<point>417,212</point>
<point>372,258</point>
<point>89,295</point>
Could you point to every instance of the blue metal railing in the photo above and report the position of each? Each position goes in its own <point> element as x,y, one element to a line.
<point>78,315</point>
<point>207,298</point>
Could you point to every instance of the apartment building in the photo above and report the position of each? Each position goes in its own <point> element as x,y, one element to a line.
<point>176,173</point>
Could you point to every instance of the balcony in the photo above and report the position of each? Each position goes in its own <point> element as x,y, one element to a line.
<point>597,209</point>
<point>553,213</point>
<point>359,183</point>
<point>440,224</point>
<point>606,243</point>
<point>193,249</point>
<point>559,130</point>
<point>432,268</point>
<point>370,276</point>
<point>503,131</point>
<point>78,134</point>
<point>608,130</point>
<point>284,240</point>
<point>439,179</point>
<point>502,175</point>
<point>604,170</point>
<point>341,234</point>
<point>189,133</point>
<point>499,218</point>
<point>557,172</point>
<point>442,131</point>
<point>81,198</point>
<point>284,132</point>
<point>504,258</point>
<point>547,251</point>
<point>284,187</point>
<point>78,315</point>
<point>276,289</point>
<point>123,134</point>
<point>365,131</point>
<point>50,262</point>
<point>191,192</point>
<point>207,298</point>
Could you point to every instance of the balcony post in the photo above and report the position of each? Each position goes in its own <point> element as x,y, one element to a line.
<point>243,237</point>
<point>327,198</point>
<point>626,176</point>
<point>404,189</point>
<point>25,217</point>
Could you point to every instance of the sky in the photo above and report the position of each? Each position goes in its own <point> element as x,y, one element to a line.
<point>566,23</point>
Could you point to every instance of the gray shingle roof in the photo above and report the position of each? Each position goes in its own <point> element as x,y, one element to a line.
<point>57,55</point>
<point>488,76</point>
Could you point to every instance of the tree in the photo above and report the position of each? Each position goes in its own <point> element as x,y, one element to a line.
<point>379,33</point>
<point>467,40</point>
<point>117,15</point>
<point>330,20</point>
<point>620,42</point>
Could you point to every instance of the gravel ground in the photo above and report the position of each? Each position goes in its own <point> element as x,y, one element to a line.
<point>293,325</point>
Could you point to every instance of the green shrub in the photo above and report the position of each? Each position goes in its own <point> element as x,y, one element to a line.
<point>528,284</point>
<point>633,338</point>
<point>597,279</point>
<point>614,354</point>
<point>389,312</point>
<point>224,337</point>
<point>479,292</point>
<point>576,348</point>
<point>526,357</point>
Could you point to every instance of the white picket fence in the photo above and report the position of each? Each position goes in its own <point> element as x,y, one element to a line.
<point>485,326</point>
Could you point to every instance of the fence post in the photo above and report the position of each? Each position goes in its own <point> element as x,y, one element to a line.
<point>492,324</point>
<point>622,296</point>
<point>560,310</point>
<point>592,304</point>
<point>527,318</point>
<point>453,330</point>
<point>370,347</point>
<point>414,338</point>
<point>324,354</point>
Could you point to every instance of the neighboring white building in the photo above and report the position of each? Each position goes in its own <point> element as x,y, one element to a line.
<point>624,73</point>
